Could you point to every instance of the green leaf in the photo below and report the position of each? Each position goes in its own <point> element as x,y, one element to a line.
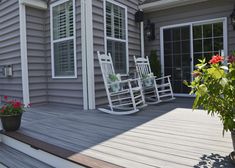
<point>216,73</point>
<point>202,89</point>
<point>223,82</point>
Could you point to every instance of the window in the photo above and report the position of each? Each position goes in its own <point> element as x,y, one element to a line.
<point>116,35</point>
<point>207,40</point>
<point>63,48</point>
<point>184,44</point>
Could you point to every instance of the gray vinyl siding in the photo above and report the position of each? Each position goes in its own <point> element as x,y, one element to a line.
<point>67,91</point>
<point>196,12</point>
<point>98,28</point>
<point>10,49</point>
<point>37,67</point>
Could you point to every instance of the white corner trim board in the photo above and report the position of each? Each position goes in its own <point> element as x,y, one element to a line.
<point>84,58</point>
<point>166,4</point>
<point>90,54</point>
<point>39,4</point>
<point>23,53</point>
<point>87,54</point>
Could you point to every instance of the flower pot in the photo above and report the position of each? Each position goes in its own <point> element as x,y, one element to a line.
<point>11,122</point>
<point>115,87</point>
<point>148,82</point>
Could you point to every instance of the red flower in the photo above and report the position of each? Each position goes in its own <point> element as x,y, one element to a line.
<point>231,59</point>
<point>3,109</point>
<point>216,59</point>
<point>5,97</point>
<point>17,104</point>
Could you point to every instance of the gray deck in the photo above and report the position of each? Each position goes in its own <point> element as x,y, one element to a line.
<point>11,158</point>
<point>166,135</point>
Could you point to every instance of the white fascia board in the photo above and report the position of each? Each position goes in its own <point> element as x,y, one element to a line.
<point>39,4</point>
<point>166,4</point>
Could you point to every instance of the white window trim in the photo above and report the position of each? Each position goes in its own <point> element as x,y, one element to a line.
<point>64,39</point>
<point>191,24</point>
<point>115,39</point>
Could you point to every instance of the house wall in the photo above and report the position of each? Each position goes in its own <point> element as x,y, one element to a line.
<point>196,12</point>
<point>10,48</point>
<point>66,91</point>
<point>98,28</point>
<point>37,67</point>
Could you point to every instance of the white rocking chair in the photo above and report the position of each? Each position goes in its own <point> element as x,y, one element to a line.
<point>155,89</point>
<point>124,96</point>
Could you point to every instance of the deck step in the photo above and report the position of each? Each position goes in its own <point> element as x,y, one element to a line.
<point>53,155</point>
<point>10,157</point>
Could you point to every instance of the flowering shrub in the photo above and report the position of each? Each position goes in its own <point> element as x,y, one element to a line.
<point>214,87</point>
<point>11,107</point>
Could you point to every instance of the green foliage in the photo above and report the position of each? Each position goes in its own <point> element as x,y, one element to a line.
<point>113,77</point>
<point>155,63</point>
<point>214,87</point>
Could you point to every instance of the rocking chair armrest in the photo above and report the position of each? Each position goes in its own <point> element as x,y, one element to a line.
<point>164,77</point>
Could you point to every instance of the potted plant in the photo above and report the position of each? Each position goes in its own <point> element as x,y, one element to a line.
<point>214,87</point>
<point>10,114</point>
<point>148,79</point>
<point>113,82</point>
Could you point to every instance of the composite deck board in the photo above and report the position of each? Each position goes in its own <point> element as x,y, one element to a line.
<point>164,135</point>
<point>12,158</point>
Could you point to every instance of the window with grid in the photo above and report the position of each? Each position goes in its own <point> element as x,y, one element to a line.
<point>207,40</point>
<point>63,40</point>
<point>116,36</point>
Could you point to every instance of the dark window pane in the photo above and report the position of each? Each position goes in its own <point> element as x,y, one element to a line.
<point>177,86</point>
<point>176,34</point>
<point>64,58</point>
<point>118,53</point>
<point>208,56</point>
<point>176,47</point>
<point>207,30</point>
<point>186,47</point>
<point>197,45</point>
<point>185,33</point>
<point>168,48</point>
<point>218,44</point>
<point>208,45</point>
<point>168,60</point>
<point>168,71</point>
<point>197,32</point>
<point>167,35</point>
<point>218,29</point>
<point>177,60</point>
<point>186,60</point>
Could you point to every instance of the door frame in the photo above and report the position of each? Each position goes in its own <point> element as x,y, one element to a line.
<point>191,24</point>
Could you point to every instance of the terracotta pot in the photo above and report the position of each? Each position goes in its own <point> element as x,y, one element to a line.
<point>11,122</point>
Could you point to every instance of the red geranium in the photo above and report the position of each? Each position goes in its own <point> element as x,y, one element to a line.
<point>12,107</point>
<point>216,59</point>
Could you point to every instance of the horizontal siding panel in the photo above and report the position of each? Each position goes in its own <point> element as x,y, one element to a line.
<point>10,49</point>
<point>36,55</point>
<point>67,91</point>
